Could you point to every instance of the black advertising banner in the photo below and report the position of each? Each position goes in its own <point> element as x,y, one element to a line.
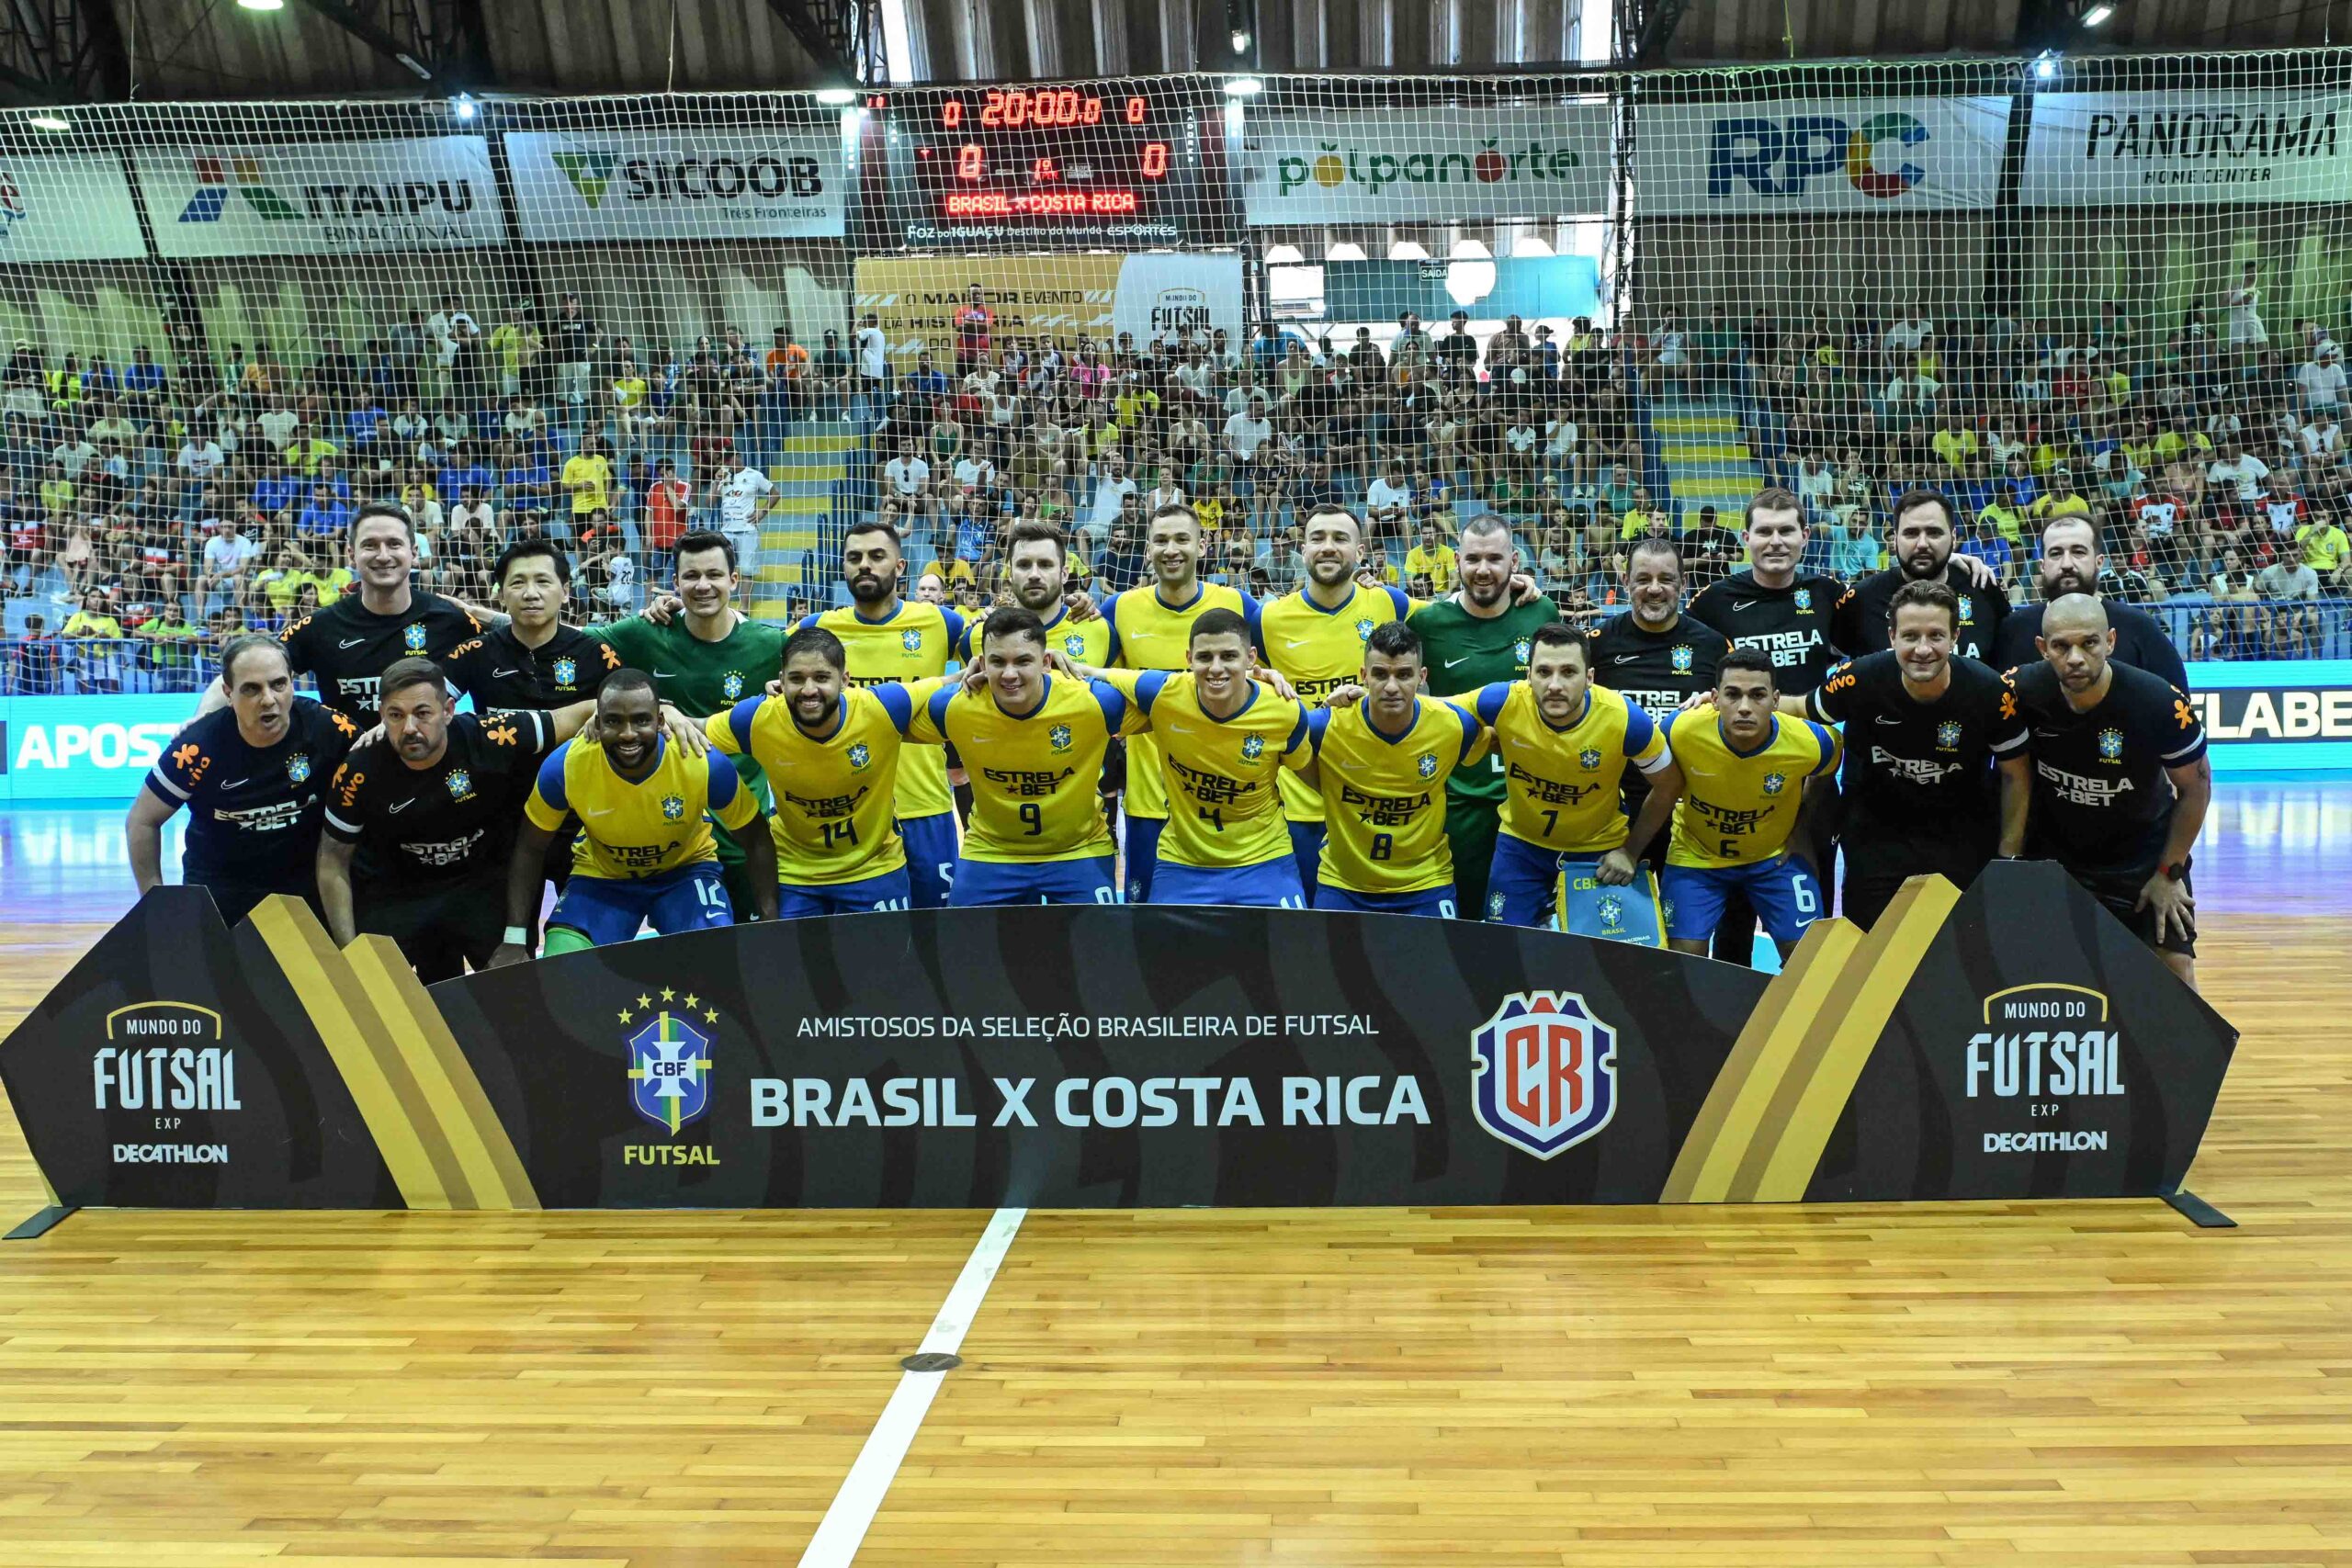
<point>2049,1057</point>
<point>2010,1041</point>
<point>172,1067</point>
<point>1076,1058</point>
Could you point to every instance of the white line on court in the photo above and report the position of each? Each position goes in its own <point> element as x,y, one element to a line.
<point>844,1527</point>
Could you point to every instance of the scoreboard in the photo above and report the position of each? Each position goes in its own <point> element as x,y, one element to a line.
<point>1115,165</point>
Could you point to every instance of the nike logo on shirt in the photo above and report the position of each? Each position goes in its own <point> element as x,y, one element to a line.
<point>501,674</point>
<point>403,806</point>
<point>1882,719</point>
<point>1624,658</point>
<point>1738,604</point>
<point>237,783</point>
<point>665,674</point>
<point>1464,659</point>
<point>351,642</point>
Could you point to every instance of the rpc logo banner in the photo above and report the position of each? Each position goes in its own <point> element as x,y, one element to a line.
<point>1851,155</point>
<point>637,185</point>
<point>85,748</point>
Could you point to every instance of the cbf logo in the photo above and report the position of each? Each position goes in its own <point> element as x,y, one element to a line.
<point>1426,765</point>
<point>461,784</point>
<point>567,674</point>
<point>1612,914</point>
<point>669,1071</point>
<point>1775,783</point>
<point>2110,745</point>
<point>1948,736</point>
<point>1058,737</point>
<point>911,641</point>
<point>1523,650</point>
<point>1967,607</point>
<point>1680,659</point>
<point>1252,748</point>
<point>1074,644</point>
<point>1803,599</point>
<point>412,637</point>
<point>298,768</point>
<point>731,686</point>
<point>673,808</point>
<point>859,756</point>
<point>1589,758</point>
<point>1544,1072</point>
<point>1364,630</point>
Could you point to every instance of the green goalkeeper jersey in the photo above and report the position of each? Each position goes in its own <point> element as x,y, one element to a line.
<point>1462,653</point>
<point>702,677</point>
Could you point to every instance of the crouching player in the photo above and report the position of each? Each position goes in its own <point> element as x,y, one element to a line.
<point>1565,745</point>
<point>645,852</point>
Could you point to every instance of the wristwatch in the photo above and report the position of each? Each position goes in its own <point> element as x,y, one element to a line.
<point>2175,871</point>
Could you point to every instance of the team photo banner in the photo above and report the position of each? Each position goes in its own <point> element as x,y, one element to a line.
<point>2138,149</point>
<point>1835,155</point>
<point>328,198</point>
<point>67,209</point>
<point>2011,1041</point>
<point>672,185</point>
<point>1426,164</point>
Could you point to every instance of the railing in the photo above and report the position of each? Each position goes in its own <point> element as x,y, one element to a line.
<point>60,667</point>
<point>2204,627</point>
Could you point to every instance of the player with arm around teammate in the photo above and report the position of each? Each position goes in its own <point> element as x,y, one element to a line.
<point>1225,738</point>
<point>645,853</point>
<point>1746,771</point>
<point>1566,745</point>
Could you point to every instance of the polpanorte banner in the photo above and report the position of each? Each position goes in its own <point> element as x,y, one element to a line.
<point>2010,1041</point>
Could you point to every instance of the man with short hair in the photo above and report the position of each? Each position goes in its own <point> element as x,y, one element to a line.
<point>1745,773</point>
<point>420,821</point>
<point>2290,588</point>
<point>2122,781</point>
<point>1923,539</point>
<point>645,853</point>
<point>531,659</point>
<point>741,494</point>
<point>2070,562</point>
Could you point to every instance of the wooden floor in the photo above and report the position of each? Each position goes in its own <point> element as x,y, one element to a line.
<point>2095,1384</point>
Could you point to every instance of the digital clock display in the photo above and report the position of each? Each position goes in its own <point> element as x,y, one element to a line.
<point>1071,165</point>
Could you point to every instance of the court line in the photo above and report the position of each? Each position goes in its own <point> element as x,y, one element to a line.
<point>844,1527</point>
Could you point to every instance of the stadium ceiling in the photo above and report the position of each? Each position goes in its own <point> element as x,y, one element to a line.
<point>99,49</point>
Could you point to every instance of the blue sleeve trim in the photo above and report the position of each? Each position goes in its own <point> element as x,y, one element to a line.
<point>1491,698</point>
<point>1111,619</point>
<point>897,701</point>
<point>724,782</point>
<point>1401,604</point>
<point>937,709</point>
<point>1114,706</point>
<point>1299,732</point>
<point>550,783</point>
<point>806,623</point>
<point>1828,744</point>
<point>956,626</point>
<point>739,719</point>
<point>1639,726</point>
<point>1469,732</point>
<point>1148,689</point>
<point>1317,723</point>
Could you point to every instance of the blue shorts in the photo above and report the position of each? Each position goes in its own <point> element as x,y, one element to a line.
<point>1269,885</point>
<point>931,858</point>
<point>607,910</point>
<point>1435,902</point>
<point>1785,896</point>
<point>1520,882</point>
<point>1094,880</point>
<point>1141,845</point>
<point>1590,907</point>
<point>887,891</point>
<point>1307,853</point>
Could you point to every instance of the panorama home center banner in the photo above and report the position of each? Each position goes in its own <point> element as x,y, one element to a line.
<point>1427,164</point>
<point>670,185</point>
<point>327,198</point>
<point>1840,155</point>
<point>916,299</point>
<point>2125,149</point>
<point>68,209</point>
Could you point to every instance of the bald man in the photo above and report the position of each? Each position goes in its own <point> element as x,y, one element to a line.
<point>2121,779</point>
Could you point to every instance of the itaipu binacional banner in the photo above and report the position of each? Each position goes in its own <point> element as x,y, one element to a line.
<point>2010,1041</point>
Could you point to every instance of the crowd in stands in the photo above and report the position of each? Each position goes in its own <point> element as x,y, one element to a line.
<point>167,509</point>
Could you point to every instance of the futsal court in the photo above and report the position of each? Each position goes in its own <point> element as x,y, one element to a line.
<point>2086,1382</point>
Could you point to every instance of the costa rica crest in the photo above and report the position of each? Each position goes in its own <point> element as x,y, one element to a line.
<point>669,1071</point>
<point>673,808</point>
<point>567,673</point>
<point>1775,783</point>
<point>412,637</point>
<point>1544,1072</point>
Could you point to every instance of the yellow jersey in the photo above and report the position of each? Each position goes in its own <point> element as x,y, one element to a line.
<point>834,792</point>
<point>1089,642</point>
<point>1035,776</point>
<point>1219,772</point>
<point>1737,807</point>
<point>1560,782</point>
<point>1146,634</point>
<point>633,828</point>
<point>1384,795</point>
<point>914,642</point>
<point>1315,649</point>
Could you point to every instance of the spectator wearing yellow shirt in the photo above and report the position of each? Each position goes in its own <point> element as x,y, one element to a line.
<point>1433,559</point>
<point>515,343</point>
<point>2002,519</point>
<point>2059,501</point>
<point>2325,548</point>
<point>1379,569</point>
<point>1956,444</point>
<point>2181,441</point>
<point>1135,404</point>
<point>1645,516</point>
<point>93,619</point>
<point>588,480</point>
<point>304,452</point>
